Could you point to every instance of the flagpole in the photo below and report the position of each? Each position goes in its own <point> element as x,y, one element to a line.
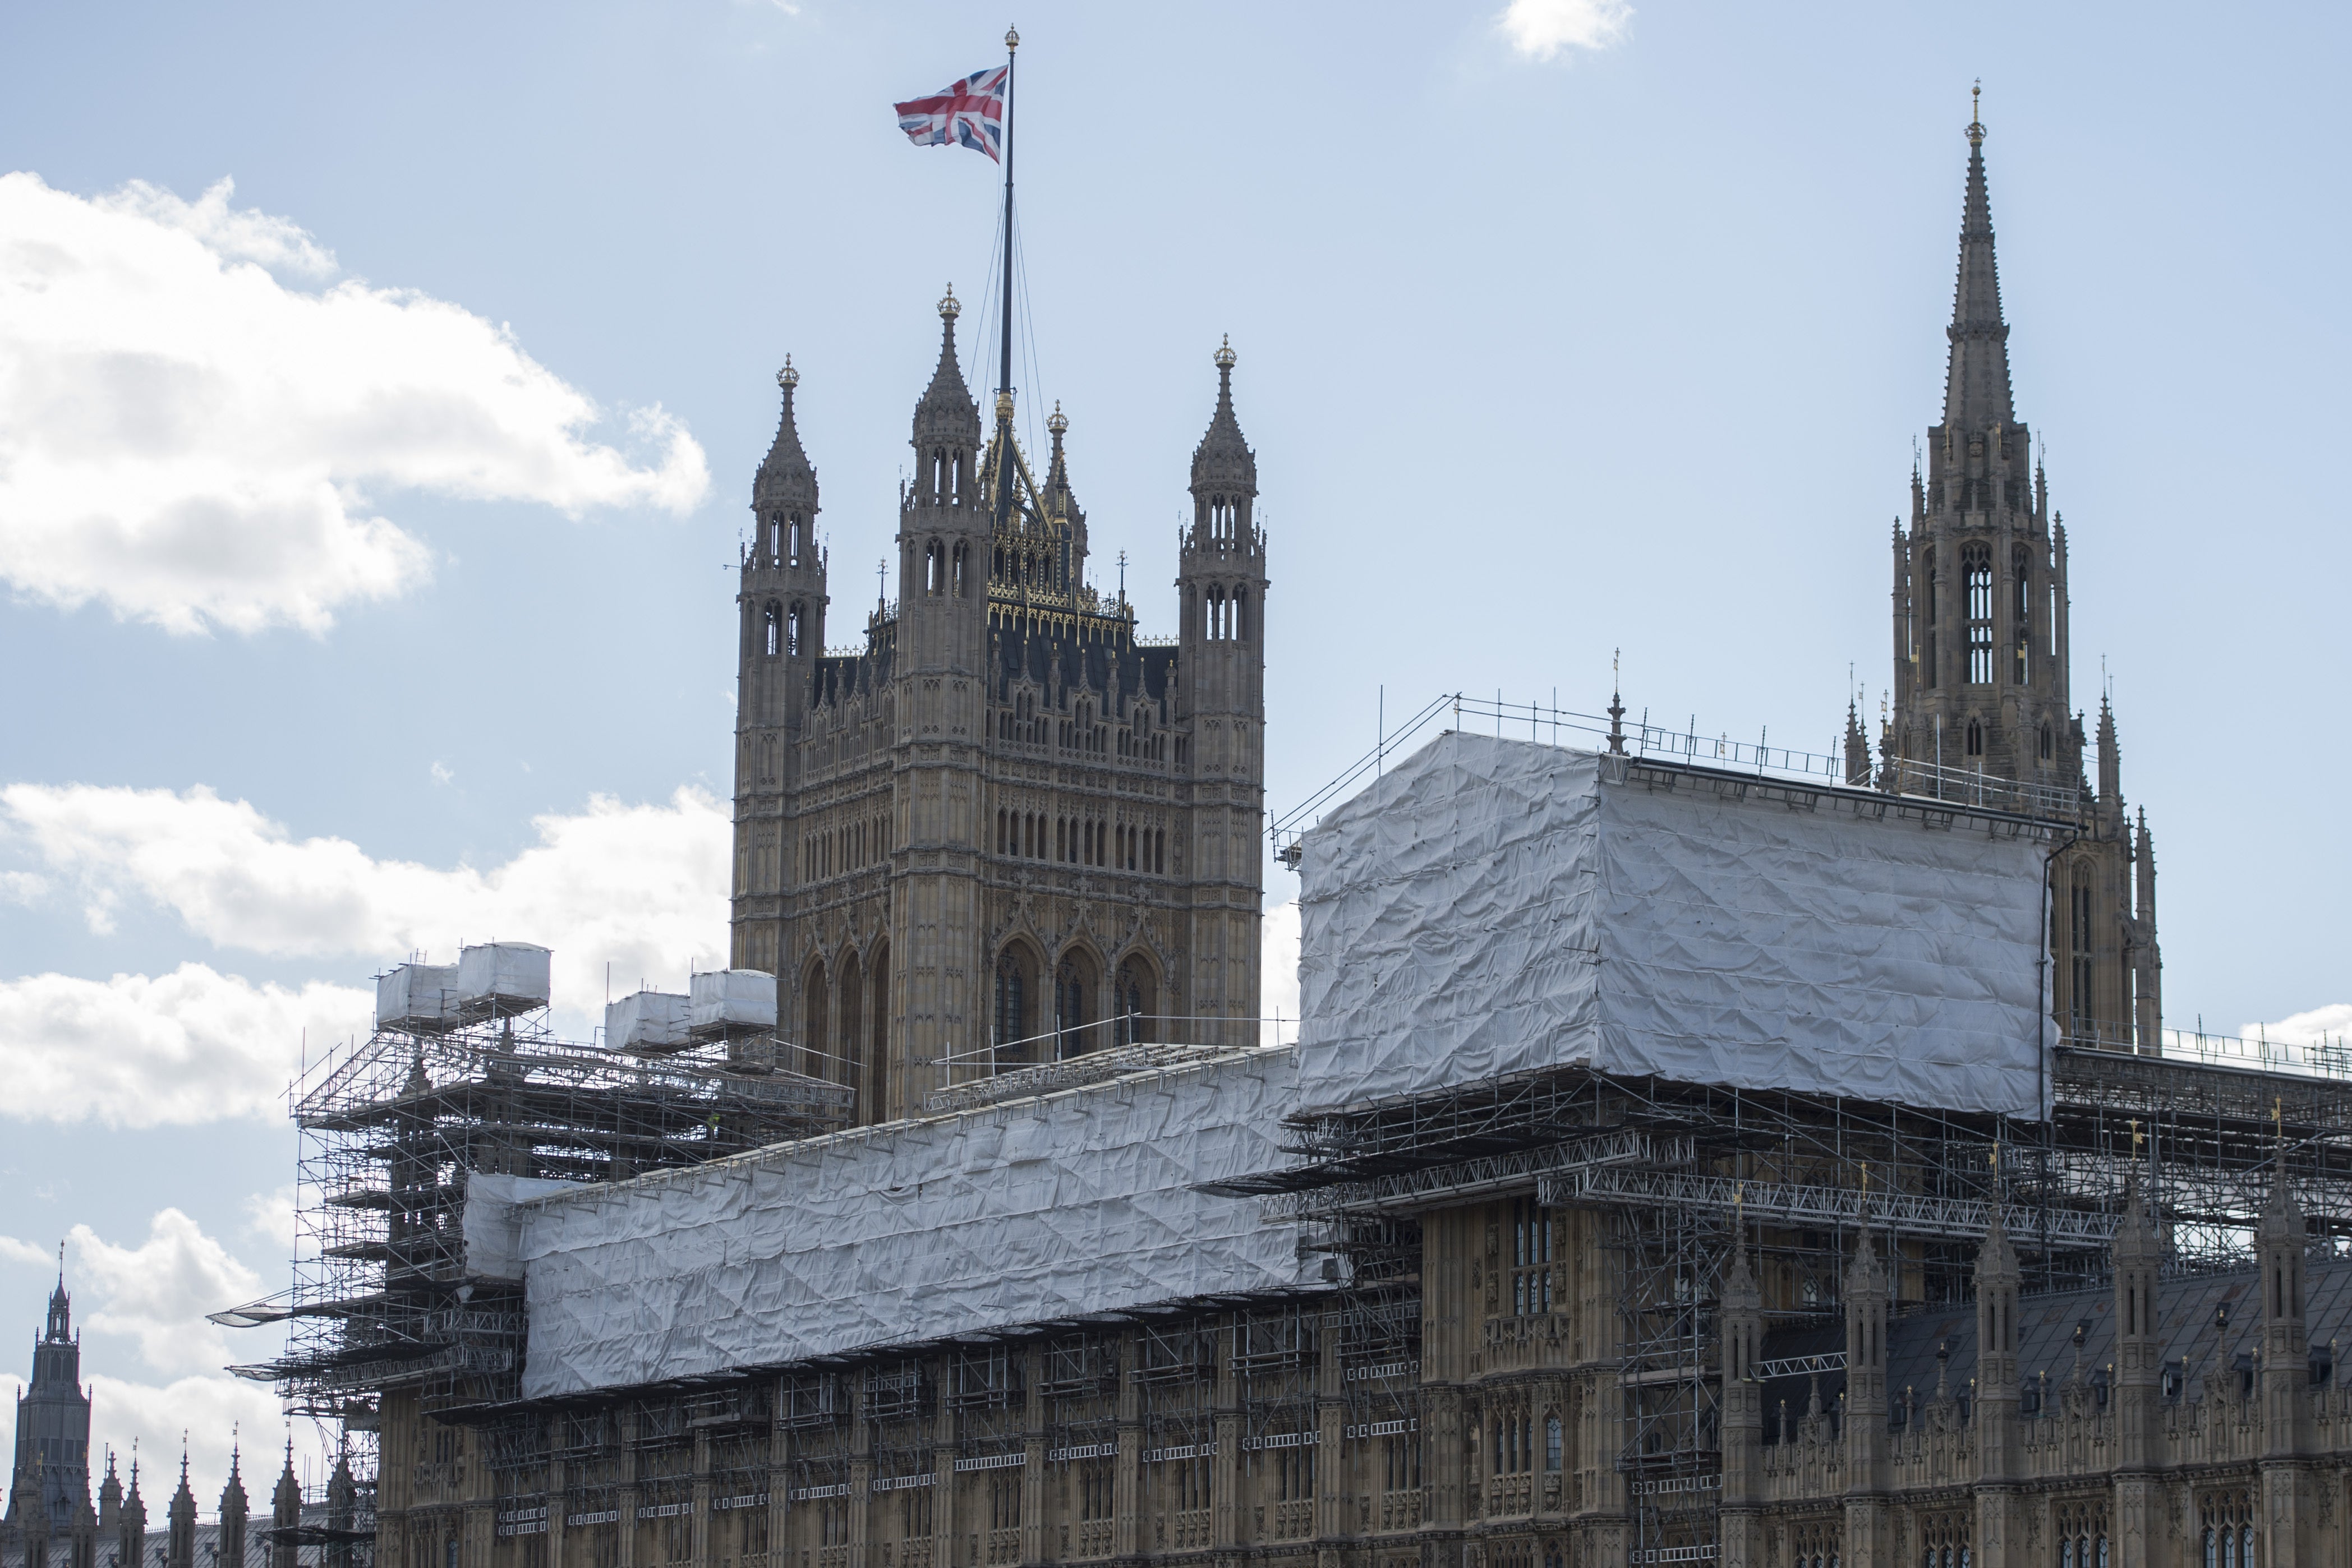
<point>1005,351</point>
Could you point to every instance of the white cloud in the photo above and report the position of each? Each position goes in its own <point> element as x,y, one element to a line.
<point>138,1051</point>
<point>189,440</point>
<point>22,887</point>
<point>214,1411</point>
<point>442,773</point>
<point>1277,969</point>
<point>159,1291</point>
<point>1541,29</point>
<point>642,886</point>
<point>15,1251</point>
<point>2332,1024</point>
<point>270,1215</point>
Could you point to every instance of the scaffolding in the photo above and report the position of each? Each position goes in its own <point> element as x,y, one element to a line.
<point>1680,1174</point>
<point>395,1125</point>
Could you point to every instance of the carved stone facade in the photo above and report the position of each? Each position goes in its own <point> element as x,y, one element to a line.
<point>1006,828</point>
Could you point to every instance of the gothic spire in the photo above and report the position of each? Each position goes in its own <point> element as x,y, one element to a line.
<point>946,408</point>
<point>1223,459</point>
<point>1976,385</point>
<point>1058,473</point>
<point>784,474</point>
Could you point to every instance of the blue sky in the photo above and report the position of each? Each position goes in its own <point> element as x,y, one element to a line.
<point>365,526</point>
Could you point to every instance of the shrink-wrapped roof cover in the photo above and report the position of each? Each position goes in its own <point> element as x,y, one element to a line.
<point>1495,907</point>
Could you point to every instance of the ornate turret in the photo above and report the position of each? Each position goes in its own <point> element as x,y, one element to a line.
<point>180,1517</point>
<point>1998,1283</point>
<point>234,1508</point>
<point>285,1515</point>
<point>946,434</point>
<point>2139,1340</point>
<point>130,1525</point>
<point>781,606</point>
<point>1740,1324</point>
<point>1868,1300</point>
<point>2280,1242</point>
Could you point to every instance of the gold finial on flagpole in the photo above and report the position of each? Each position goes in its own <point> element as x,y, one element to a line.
<point>1012,39</point>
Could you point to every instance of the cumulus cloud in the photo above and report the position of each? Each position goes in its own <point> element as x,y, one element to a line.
<point>158,1291</point>
<point>1543,29</point>
<point>193,438</point>
<point>15,1251</point>
<point>1278,973</point>
<point>2330,1025</point>
<point>215,1412</point>
<point>137,1050</point>
<point>155,1295</point>
<point>641,886</point>
<point>270,1215</point>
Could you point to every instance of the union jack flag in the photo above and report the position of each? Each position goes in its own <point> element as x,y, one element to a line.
<point>970,112</point>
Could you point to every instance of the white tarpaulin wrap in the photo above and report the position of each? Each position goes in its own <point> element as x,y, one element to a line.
<point>514,974</point>
<point>1031,1210</point>
<point>417,997</point>
<point>494,1225</point>
<point>1495,906</point>
<point>647,1020</point>
<point>733,999</point>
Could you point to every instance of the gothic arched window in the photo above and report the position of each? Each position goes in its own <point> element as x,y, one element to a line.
<point>792,540</point>
<point>934,566</point>
<point>2045,742</point>
<point>2020,570</point>
<point>793,632</point>
<point>957,576</point>
<point>1012,1007</point>
<point>1929,665</point>
<point>1976,739</point>
<point>774,618</point>
<point>1976,569</point>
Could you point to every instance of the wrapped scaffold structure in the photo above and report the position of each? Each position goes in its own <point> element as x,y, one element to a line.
<point>462,1083</point>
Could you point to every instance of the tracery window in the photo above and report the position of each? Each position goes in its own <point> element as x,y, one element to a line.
<point>1011,1011</point>
<point>1929,665</point>
<point>2081,927</point>
<point>772,620</point>
<point>2082,1534</point>
<point>1976,568</point>
<point>793,632</point>
<point>1530,1258</point>
<point>1976,739</point>
<point>2021,569</point>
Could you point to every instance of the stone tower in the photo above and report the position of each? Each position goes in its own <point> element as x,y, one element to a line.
<point>1005,827</point>
<point>49,1487</point>
<point>1981,707</point>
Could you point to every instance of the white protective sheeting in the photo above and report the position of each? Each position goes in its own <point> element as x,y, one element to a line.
<point>1495,907</point>
<point>420,997</point>
<point>511,974</point>
<point>647,1020</point>
<point>494,1224</point>
<point>727,999</point>
<point>1077,1202</point>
